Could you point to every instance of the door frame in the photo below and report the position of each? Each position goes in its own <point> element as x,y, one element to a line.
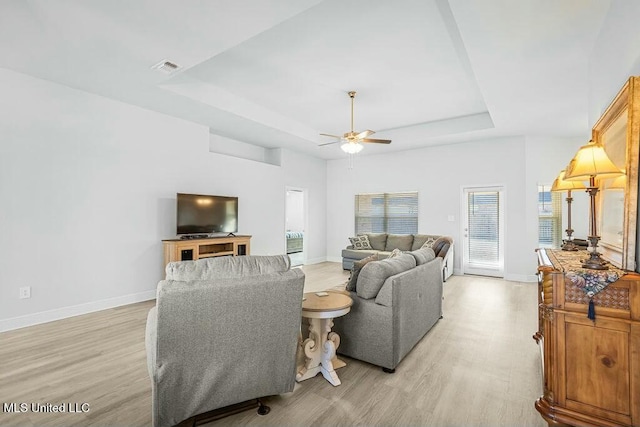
<point>305,220</point>
<point>464,214</point>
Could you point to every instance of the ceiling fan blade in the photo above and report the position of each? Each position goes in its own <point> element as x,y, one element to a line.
<point>376,141</point>
<point>364,134</point>
<point>352,137</point>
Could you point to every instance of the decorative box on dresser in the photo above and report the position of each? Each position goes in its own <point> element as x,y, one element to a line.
<point>591,368</point>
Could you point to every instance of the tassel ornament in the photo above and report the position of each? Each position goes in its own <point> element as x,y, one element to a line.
<point>591,314</point>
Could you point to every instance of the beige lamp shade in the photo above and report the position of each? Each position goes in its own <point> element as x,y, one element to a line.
<point>618,183</point>
<point>560,184</point>
<point>590,161</point>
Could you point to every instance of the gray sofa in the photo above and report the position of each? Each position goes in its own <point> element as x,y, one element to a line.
<point>383,244</point>
<point>396,302</point>
<point>224,331</point>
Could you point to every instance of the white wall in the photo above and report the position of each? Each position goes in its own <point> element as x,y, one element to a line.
<point>615,56</point>
<point>295,210</point>
<point>439,174</point>
<point>87,193</point>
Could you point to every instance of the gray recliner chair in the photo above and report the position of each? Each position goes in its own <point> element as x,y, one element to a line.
<point>224,331</point>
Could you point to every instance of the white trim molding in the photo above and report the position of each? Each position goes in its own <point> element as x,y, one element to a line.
<point>316,260</point>
<point>74,310</point>
<point>526,278</point>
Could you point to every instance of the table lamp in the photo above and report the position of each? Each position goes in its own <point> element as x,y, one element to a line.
<point>560,184</point>
<point>592,161</point>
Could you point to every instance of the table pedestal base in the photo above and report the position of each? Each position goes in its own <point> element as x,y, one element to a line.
<point>320,351</point>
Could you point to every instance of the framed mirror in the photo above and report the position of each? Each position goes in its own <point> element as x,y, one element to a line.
<point>619,132</point>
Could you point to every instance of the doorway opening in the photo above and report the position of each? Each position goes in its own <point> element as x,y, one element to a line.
<point>295,220</point>
<point>483,213</point>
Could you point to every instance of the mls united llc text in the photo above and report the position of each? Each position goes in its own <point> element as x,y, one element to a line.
<point>46,407</point>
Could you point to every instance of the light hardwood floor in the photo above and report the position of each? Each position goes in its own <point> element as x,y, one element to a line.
<point>478,366</point>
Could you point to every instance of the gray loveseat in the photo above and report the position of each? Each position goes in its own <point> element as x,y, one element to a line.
<point>395,303</point>
<point>224,331</point>
<point>383,244</point>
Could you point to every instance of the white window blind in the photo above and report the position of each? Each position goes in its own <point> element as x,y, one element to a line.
<point>483,228</point>
<point>395,213</point>
<point>549,217</point>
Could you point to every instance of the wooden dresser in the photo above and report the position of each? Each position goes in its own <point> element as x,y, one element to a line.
<point>591,369</point>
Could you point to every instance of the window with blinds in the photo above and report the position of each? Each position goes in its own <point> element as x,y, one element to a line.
<point>549,217</point>
<point>395,213</point>
<point>483,228</point>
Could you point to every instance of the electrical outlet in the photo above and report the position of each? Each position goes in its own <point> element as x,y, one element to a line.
<point>25,292</point>
<point>451,218</point>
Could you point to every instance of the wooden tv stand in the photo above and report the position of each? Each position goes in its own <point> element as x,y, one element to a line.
<point>194,249</point>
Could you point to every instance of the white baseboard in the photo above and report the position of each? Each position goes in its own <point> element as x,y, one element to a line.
<point>334,259</point>
<point>510,277</point>
<point>74,310</point>
<point>315,261</point>
<point>521,277</point>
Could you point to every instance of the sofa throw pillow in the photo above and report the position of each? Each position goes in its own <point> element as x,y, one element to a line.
<point>394,253</point>
<point>429,242</point>
<point>360,242</point>
<point>355,271</point>
<point>418,241</point>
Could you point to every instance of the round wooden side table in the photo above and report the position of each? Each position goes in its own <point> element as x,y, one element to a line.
<point>321,345</point>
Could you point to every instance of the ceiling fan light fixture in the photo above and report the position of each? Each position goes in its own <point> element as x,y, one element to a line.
<point>351,142</point>
<point>351,147</point>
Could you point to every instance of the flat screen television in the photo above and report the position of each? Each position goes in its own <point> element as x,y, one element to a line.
<point>200,214</point>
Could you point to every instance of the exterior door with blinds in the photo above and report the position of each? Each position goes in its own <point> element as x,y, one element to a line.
<point>483,233</point>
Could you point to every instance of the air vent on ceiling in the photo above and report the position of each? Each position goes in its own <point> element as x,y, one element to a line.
<point>165,66</point>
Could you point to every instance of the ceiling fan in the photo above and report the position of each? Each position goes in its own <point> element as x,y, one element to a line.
<point>351,141</point>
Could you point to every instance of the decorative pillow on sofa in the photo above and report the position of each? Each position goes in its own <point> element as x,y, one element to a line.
<point>399,241</point>
<point>420,239</point>
<point>360,242</point>
<point>394,253</point>
<point>373,275</point>
<point>429,242</point>
<point>355,271</point>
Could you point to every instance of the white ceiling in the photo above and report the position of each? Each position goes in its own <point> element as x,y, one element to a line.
<point>276,72</point>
